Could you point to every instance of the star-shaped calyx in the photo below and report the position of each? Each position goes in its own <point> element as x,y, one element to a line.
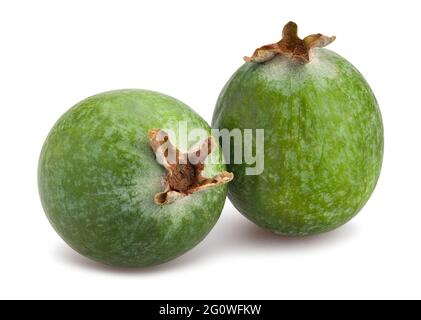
<point>184,175</point>
<point>291,45</point>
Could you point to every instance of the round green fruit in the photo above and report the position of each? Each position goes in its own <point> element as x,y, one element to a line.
<point>106,194</point>
<point>323,135</point>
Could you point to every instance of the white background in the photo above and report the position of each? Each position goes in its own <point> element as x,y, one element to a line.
<point>55,53</point>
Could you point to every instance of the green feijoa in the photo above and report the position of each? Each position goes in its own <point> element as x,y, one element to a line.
<point>323,135</point>
<point>106,194</point>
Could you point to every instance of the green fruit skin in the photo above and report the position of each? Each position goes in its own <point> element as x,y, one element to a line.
<point>98,175</point>
<point>323,142</point>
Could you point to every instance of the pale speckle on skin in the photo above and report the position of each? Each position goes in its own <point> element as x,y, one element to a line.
<point>292,78</point>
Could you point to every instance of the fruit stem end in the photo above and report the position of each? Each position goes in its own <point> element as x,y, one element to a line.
<point>291,45</point>
<point>184,175</point>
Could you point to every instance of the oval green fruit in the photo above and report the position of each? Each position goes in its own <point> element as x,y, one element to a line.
<point>98,177</point>
<point>323,138</point>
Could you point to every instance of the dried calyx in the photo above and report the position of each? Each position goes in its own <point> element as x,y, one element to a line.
<point>184,169</point>
<point>291,45</point>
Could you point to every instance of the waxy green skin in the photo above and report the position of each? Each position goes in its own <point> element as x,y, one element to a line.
<point>98,176</point>
<point>323,142</point>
